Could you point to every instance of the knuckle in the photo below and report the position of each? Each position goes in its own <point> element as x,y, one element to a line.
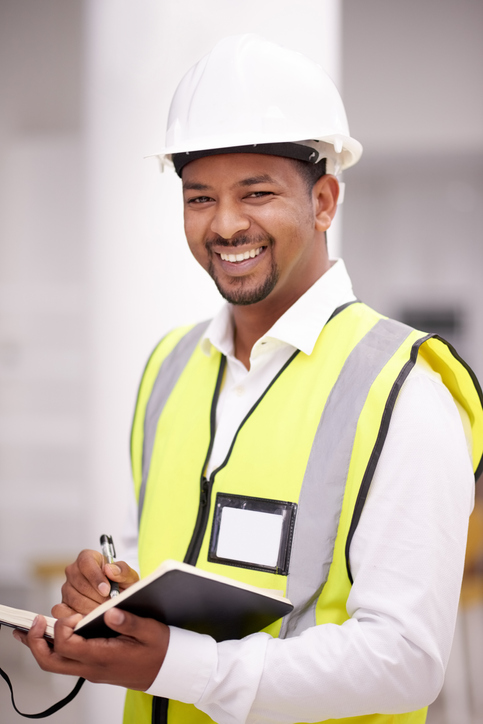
<point>69,570</point>
<point>57,610</point>
<point>86,553</point>
<point>84,560</point>
<point>69,595</point>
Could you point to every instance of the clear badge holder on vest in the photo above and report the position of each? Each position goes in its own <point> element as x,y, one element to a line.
<point>253,533</point>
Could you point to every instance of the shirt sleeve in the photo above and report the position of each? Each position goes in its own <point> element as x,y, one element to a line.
<point>407,559</point>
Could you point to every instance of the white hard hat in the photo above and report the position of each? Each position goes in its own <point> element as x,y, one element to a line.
<point>252,95</point>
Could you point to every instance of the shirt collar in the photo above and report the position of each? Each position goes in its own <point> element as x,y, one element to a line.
<point>300,326</point>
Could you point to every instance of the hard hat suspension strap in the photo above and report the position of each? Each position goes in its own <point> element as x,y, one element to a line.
<point>287,150</point>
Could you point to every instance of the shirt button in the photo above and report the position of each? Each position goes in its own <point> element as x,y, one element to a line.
<point>239,390</point>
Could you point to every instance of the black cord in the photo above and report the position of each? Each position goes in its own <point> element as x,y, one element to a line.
<point>52,709</point>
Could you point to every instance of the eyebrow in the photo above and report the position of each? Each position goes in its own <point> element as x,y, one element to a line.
<point>251,181</point>
<point>194,186</point>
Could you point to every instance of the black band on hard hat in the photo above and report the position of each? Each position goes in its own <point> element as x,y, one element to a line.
<point>287,150</point>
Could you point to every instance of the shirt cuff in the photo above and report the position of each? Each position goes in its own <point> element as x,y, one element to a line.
<point>189,663</point>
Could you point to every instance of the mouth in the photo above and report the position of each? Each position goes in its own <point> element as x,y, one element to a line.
<point>241,256</point>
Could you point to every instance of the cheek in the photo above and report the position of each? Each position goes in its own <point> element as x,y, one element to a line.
<point>192,231</point>
<point>196,245</point>
<point>288,229</point>
<point>198,252</point>
<point>279,220</point>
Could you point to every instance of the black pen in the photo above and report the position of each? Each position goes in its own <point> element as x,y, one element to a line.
<point>109,553</point>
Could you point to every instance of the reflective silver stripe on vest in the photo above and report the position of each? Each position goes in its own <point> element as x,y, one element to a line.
<point>322,493</point>
<point>167,377</point>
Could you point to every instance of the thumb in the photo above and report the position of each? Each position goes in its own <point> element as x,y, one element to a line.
<point>116,619</point>
<point>144,630</point>
<point>121,573</point>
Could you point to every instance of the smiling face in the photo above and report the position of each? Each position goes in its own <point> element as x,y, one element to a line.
<point>254,227</point>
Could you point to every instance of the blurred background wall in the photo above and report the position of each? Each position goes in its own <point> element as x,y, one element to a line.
<point>93,264</point>
<point>413,89</point>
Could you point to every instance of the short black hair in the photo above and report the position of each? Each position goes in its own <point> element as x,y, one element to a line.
<point>310,172</point>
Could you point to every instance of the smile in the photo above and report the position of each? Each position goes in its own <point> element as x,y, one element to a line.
<point>242,257</point>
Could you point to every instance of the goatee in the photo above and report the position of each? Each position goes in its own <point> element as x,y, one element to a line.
<point>237,290</point>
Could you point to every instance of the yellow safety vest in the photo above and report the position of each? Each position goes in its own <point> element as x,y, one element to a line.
<point>333,405</point>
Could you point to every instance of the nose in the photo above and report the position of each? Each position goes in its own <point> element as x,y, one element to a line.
<point>229,219</point>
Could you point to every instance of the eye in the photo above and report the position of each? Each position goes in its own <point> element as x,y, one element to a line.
<point>199,200</point>
<point>259,194</point>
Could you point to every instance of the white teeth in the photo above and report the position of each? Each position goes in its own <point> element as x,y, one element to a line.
<point>242,257</point>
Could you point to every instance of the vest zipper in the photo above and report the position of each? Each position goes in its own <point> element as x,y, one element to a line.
<point>201,521</point>
<point>206,484</point>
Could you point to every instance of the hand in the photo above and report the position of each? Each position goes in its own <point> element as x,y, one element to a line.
<point>87,583</point>
<point>132,659</point>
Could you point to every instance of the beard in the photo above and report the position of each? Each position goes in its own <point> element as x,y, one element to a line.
<point>239,291</point>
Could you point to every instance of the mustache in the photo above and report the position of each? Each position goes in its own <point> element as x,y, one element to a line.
<point>243,240</point>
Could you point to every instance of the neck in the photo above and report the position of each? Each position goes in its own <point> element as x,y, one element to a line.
<point>250,326</point>
<point>251,322</point>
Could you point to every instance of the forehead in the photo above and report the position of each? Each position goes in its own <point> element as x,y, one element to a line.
<point>239,169</point>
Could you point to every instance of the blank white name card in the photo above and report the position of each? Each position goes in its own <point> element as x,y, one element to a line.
<point>250,536</point>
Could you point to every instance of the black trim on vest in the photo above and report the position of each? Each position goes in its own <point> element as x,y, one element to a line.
<point>383,430</point>
<point>341,309</point>
<point>160,710</point>
<point>474,379</point>
<point>52,709</point>
<point>205,488</point>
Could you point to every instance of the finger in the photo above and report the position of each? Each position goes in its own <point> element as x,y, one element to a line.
<point>61,610</point>
<point>64,627</point>
<point>121,573</point>
<point>131,660</point>
<point>38,628</point>
<point>86,585</point>
<point>79,602</point>
<point>90,565</point>
<point>46,656</point>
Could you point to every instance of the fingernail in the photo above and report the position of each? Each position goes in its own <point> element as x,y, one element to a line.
<point>104,589</point>
<point>115,570</point>
<point>17,636</point>
<point>117,617</point>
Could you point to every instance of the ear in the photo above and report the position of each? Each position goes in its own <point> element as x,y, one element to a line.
<point>325,194</point>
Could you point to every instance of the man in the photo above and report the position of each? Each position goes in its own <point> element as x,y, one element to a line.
<point>299,398</point>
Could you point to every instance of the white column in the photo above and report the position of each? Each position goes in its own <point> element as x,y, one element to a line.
<point>143,279</point>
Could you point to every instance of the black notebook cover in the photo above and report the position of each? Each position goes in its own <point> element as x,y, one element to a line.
<point>184,596</point>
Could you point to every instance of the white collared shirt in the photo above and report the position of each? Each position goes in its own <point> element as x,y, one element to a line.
<point>407,557</point>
